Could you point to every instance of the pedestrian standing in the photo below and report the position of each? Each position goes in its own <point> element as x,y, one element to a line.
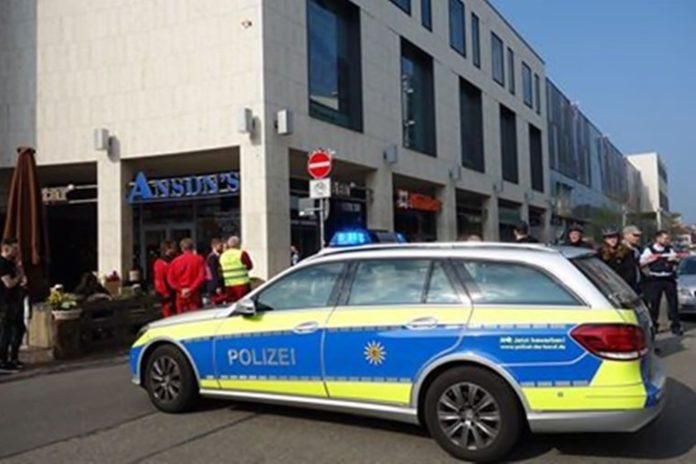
<point>294,255</point>
<point>236,264</point>
<point>215,287</point>
<point>631,239</point>
<point>160,270</point>
<point>12,284</point>
<point>616,255</point>
<point>186,277</point>
<point>660,260</point>
<point>521,232</point>
<point>576,237</point>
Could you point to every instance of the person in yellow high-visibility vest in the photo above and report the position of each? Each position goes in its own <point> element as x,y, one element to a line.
<point>235,264</point>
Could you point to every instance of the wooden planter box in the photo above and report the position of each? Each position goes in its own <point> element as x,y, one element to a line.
<point>102,325</point>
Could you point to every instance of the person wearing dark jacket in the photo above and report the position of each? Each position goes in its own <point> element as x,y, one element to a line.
<point>631,239</point>
<point>617,255</point>
<point>575,237</point>
<point>522,233</point>
<point>215,286</point>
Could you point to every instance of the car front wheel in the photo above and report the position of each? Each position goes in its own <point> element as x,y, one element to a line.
<point>170,380</point>
<point>473,414</point>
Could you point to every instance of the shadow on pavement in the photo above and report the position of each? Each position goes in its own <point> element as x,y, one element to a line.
<point>669,437</point>
<point>333,417</point>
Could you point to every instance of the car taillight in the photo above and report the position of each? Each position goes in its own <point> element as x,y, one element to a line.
<point>621,342</point>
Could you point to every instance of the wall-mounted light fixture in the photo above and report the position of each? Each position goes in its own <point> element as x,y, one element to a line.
<point>455,173</point>
<point>245,121</point>
<point>391,154</point>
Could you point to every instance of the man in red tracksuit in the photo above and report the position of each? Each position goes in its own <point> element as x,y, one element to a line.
<point>160,271</point>
<point>186,276</point>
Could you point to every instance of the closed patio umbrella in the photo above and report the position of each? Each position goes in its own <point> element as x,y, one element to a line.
<point>25,221</point>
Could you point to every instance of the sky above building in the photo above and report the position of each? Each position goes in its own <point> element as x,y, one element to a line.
<point>631,66</point>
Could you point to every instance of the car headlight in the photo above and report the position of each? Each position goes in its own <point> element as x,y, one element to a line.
<point>686,292</point>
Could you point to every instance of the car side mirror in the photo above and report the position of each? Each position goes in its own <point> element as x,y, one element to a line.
<point>245,307</point>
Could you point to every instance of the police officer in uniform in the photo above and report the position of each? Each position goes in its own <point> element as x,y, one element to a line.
<point>660,261</point>
<point>235,264</point>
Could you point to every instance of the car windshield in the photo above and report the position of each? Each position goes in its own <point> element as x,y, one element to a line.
<point>607,281</point>
<point>687,267</point>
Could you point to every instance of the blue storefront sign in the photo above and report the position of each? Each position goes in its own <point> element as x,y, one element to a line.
<point>144,190</point>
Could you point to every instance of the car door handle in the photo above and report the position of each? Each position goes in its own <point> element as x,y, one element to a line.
<point>422,323</point>
<point>306,328</point>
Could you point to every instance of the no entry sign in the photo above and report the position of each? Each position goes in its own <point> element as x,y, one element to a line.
<point>319,164</point>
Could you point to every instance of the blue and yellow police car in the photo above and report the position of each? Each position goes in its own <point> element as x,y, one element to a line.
<point>474,341</point>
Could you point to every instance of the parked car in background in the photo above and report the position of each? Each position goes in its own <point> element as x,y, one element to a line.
<point>687,285</point>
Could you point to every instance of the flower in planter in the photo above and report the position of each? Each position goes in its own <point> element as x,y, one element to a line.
<point>59,300</point>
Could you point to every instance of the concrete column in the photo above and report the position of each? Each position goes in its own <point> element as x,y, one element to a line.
<point>547,231</point>
<point>491,228</point>
<point>380,203</point>
<point>265,207</point>
<point>114,216</point>
<point>447,217</point>
<point>524,211</point>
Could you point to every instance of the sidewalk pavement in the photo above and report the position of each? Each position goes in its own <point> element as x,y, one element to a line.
<point>39,361</point>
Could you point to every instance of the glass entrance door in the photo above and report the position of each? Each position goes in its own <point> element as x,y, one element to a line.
<point>152,237</point>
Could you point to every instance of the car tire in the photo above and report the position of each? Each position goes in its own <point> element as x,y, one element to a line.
<point>473,414</point>
<point>170,381</point>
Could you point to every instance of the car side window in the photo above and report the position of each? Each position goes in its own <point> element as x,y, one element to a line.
<point>389,282</point>
<point>309,287</point>
<point>440,289</point>
<point>513,284</point>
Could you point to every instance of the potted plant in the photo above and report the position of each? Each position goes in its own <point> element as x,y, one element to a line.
<point>63,305</point>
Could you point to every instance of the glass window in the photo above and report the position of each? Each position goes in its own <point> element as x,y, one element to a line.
<point>335,88</point>
<point>476,40</point>
<point>497,52</point>
<point>527,84</point>
<point>389,282</point>
<point>403,4</point>
<point>513,284</point>
<point>535,159</point>
<point>427,14</point>
<point>457,27</point>
<point>511,70</point>
<point>471,117</point>
<point>508,144</point>
<point>687,267</point>
<point>537,94</point>
<point>440,290</point>
<point>310,287</point>
<point>607,281</point>
<point>418,99</point>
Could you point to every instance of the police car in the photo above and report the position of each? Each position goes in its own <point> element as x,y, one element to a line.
<point>474,341</point>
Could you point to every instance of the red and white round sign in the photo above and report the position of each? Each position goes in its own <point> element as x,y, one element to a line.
<point>319,164</point>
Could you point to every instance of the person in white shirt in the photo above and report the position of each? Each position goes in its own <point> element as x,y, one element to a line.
<point>660,262</point>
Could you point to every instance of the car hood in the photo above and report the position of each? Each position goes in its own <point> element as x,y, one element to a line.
<point>193,316</point>
<point>687,281</point>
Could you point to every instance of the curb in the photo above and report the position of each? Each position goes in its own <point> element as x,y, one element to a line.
<point>57,367</point>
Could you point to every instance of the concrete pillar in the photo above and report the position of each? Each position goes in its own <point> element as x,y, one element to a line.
<point>380,202</point>
<point>547,235</point>
<point>114,217</point>
<point>524,211</point>
<point>491,228</point>
<point>265,207</point>
<point>447,217</point>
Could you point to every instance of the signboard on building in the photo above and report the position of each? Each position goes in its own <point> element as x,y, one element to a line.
<point>144,190</point>
<point>416,201</point>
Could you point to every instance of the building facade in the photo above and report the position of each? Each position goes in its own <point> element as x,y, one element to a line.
<point>592,182</point>
<point>654,207</point>
<point>434,110</point>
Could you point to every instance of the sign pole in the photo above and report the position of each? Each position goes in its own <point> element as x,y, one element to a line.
<point>321,222</point>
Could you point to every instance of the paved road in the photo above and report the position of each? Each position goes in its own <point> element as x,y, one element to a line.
<point>96,415</point>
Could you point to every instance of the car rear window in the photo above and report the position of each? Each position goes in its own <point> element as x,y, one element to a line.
<point>607,281</point>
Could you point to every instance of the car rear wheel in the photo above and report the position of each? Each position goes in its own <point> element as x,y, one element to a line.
<point>170,380</point>
<point>473,414</point>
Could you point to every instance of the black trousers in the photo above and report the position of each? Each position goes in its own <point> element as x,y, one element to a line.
<point>11,330</point>
<point>653,289</point>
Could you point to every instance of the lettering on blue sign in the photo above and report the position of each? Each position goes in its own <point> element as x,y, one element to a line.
<point>262,357</point>
<point>144,190</point>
